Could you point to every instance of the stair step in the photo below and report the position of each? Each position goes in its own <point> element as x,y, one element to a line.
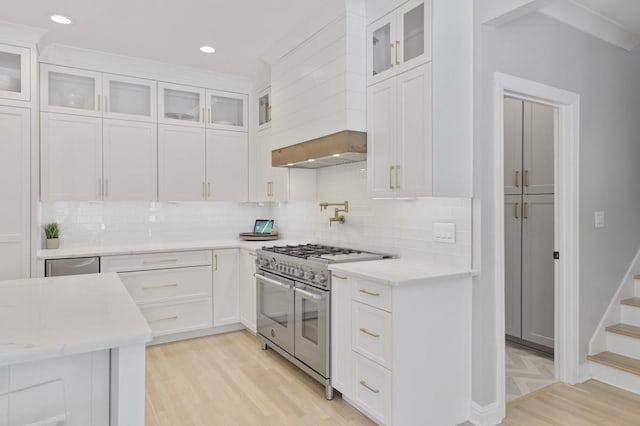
<point>621,362</point>
<point>633,301</point>
<point>625,330</point>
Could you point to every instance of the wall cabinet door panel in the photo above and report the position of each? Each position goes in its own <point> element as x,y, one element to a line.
<point>227,166</point>
<point>381,49</point>
<point>414,36</point>
<point>129,98</point>
<point>181,165</point>
<point>513,128</point>
<point>181,105</point>
<point>227,111</point>
<point>15,72</point>
<point>15,141</point>
<point>130,160</point>
<point>539,135</point>
<point>71,157</point>
<point>381,134</point>
<point>70,90</point>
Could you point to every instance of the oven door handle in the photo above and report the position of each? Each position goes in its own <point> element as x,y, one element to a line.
<point>270,281</point>
<point>308,294</point>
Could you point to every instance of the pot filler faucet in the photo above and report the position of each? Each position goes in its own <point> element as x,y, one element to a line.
<point>337,217</point>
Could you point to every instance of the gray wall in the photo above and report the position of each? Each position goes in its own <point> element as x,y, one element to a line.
<point>608,81</point>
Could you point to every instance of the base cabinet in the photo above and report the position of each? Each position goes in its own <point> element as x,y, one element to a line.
<point>402,353</point>
<point>247,289</point>
<point>226,308</point>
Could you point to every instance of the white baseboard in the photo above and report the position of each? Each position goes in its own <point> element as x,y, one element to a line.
<point>615,377</point>
<point>485,415</point>
<point>195,334</point>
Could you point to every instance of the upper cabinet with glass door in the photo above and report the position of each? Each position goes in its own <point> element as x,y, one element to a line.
<point>128,98</point>
<point>264,109</point>
<point>14,73</point>
<point>182,105</point>
<point>227,111</point>
<point>399,40</point>
<point>70,90</point>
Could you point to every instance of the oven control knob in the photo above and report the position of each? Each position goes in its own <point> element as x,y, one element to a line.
<point>322,278</point>
<point>309,275</point>
<point>299,273</point>
<point>264,262</point>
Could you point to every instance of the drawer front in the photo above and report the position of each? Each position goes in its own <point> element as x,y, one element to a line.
<point>149,261</point>
<point>166,284</point>
<point>371,333</point>
<point>372,389</point>
<point>371,293</point>
<point>179,317</point>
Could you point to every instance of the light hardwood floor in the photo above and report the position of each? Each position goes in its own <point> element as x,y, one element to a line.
<point>229,380</point>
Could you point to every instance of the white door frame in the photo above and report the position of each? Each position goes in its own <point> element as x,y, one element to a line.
<point>566,155</point>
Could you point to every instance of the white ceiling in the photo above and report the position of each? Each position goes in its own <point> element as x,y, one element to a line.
<point>172,31</point>
<point>626,13</point>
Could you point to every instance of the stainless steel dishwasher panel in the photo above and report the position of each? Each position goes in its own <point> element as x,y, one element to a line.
<point>75,266</point>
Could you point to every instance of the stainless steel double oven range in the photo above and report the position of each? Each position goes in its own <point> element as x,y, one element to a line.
<point>294,303</point>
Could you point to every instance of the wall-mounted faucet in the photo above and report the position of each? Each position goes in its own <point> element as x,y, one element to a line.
<point>337,217</point>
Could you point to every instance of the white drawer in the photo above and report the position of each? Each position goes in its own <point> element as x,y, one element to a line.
<point>172,318</point>
<point>371,333</point>
<point>371,293</point>
<point>166,284</point>
<point>372,389</point>
<point>149,261</point>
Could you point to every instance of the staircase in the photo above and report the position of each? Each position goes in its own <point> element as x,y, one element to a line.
<point>619,365</point>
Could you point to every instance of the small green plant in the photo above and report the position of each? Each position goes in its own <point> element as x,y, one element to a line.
<point>51,230</point>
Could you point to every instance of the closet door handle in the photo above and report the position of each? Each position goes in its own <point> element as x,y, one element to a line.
<point>515,210</point>
<point>106,103</point>
<point>397,177</point>
<point>525,178</point>
<point>396,50</point>
<point>517,179</point>
<point>99,109</point>
<point>525,211</point>
<point>391,177</point>
<point>209,114</point>
<point>391,55</point>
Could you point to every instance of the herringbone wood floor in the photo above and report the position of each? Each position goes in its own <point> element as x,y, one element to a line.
<point>526,371</point>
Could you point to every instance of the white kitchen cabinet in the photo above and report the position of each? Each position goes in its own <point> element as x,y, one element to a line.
<point>399,41</point>
<point>226,309</point>
<point>71,157</point>
<point>247,289</point>
<point>400,135</point>
<point>130,160</point>
<point>227,165</point>
<point>538,269</point>
<point>15,175</point>
<point>264,109</point>
<point>181,105</point>
<point>70,90</point>
<point>15,72</point>
<point>391,357</point>
<point>227,110</point>
<point>129,98</point>
<point>513,125</point>
<point>513,264</point>
<point>181,163</point>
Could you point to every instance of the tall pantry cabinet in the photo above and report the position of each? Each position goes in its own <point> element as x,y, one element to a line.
<point>16,114</point>
<point>529,223</point>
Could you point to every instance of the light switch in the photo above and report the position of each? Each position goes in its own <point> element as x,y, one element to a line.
<point>599,219</point>
<point>444,233</point>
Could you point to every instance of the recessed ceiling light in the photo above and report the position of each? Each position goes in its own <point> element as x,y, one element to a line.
<point>207,49</point>
<point>60,19</point>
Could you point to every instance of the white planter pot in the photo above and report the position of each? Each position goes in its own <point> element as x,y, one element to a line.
<point>53,243</point>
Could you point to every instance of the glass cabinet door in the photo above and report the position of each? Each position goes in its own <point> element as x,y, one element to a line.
<point>181,105</point>
<point>414,38</point>
<point>129,98</point>
<point>226,111</point>
<point>380,49</point>
<point>264,109</point>
<point>70,90</point>
<point>14,73</point>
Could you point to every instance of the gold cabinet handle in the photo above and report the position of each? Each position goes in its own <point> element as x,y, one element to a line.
<point>209,114</point>
<point>365,331</point>
<point>391,55</point>
<point>397,177</point>
<point>163,319</point>
<point>391,177</point>
<point>525,178</point>
<point>525,211</point>
<point>517,179</point>
<point>340,277</point>
<point>515,210</point>
<point>396,50</point>
<point>99,103</point>
<point>209,189</point>
<point>374,390</point>
<point>152,287</point>
<point>215,262</point>
<point>369,293</point>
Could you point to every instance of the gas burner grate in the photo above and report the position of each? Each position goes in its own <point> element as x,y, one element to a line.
<point>304,251</point>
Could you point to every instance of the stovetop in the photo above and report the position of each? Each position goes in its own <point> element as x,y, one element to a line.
<point>305,251</point>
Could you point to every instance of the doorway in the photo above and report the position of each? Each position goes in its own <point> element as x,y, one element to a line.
<point>566,107</point>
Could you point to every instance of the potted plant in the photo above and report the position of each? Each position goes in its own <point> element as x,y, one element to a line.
<point>52,232</point>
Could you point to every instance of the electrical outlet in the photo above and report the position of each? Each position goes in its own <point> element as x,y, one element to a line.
<point>444,233</point>
<point>599,219</point>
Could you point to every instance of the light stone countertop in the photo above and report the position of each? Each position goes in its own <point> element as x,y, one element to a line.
<point>42,318</point>
<point>398,272</point>
<point>99,250</point>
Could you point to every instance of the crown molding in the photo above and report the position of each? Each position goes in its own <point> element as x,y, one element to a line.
<point>20,34</point>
